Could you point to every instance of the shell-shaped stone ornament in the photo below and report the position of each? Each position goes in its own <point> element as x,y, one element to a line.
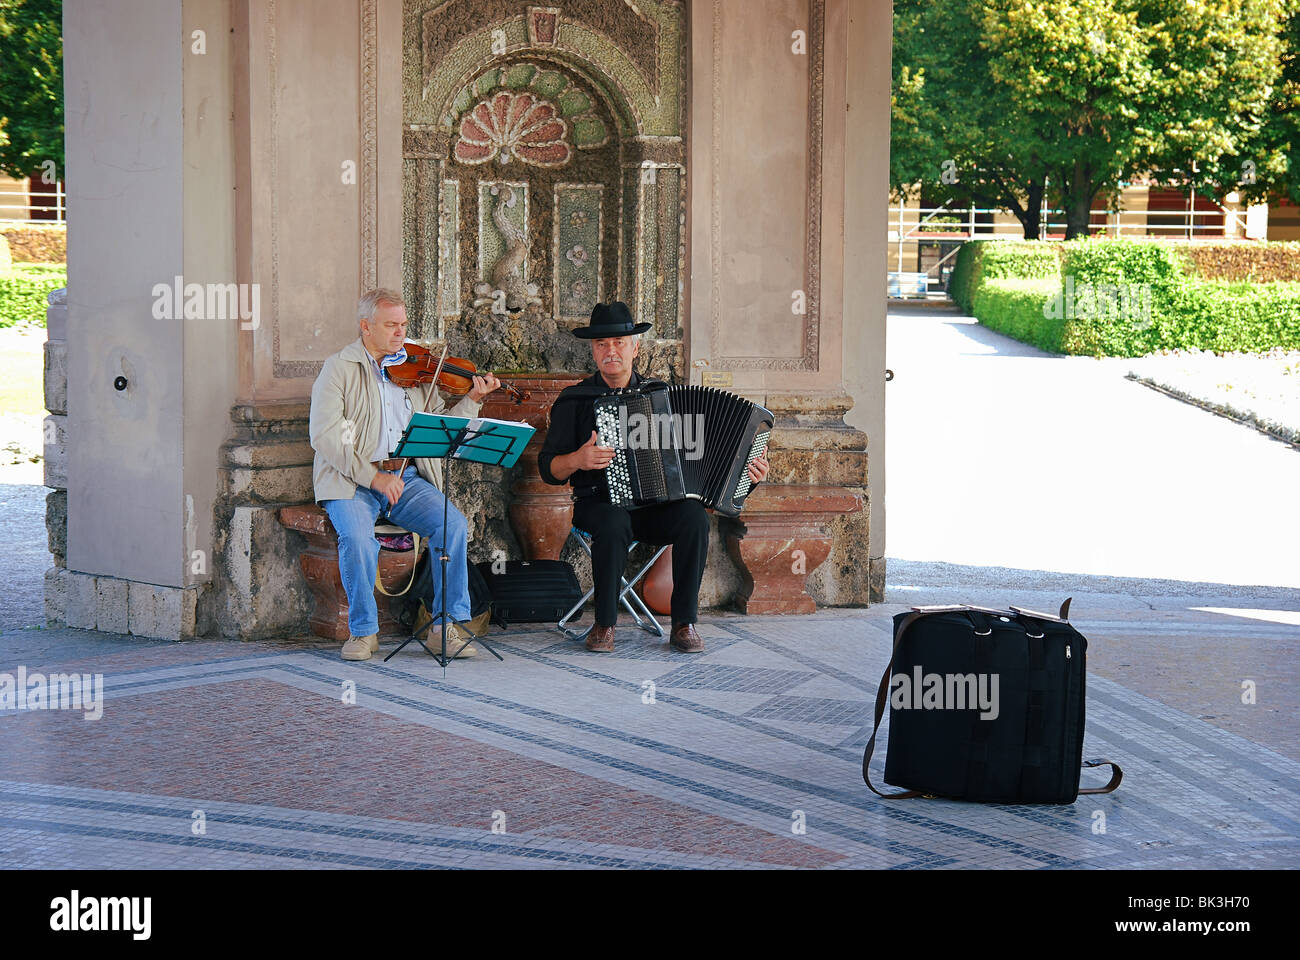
<point>512,126</point>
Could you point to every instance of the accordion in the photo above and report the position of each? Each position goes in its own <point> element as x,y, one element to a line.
<point>679,442</point>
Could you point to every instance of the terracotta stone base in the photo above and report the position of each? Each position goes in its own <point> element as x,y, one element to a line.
<point>781,537</point>
<point>320,566</point>
<point>541,514</point>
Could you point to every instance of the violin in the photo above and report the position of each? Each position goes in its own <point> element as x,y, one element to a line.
<point>455,378</point>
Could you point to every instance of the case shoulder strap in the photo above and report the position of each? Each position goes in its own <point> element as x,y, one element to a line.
<point>882,697</point>
<point>1116,775</point>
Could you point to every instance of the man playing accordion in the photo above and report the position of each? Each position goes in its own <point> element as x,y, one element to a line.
<point>570,454</point>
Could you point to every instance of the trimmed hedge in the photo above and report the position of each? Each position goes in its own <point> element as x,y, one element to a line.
<point>1224,315</point>
<point>1015,307</point>
<point>23,292</point>
<point>981,260</point>
<point>1124,261</point>
<point>1126,298</point>
<point>47,244</point>
<point>1262,262</point>
<point>1215,315</point>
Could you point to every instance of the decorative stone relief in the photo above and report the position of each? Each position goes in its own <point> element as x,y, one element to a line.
<point>503,247</point>
<point>510,126</point>
<point>487,115</point>
<point>541,25</point>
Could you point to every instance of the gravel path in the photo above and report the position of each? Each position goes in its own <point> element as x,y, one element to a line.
<point>24,556</point>
<point>1000,455</point>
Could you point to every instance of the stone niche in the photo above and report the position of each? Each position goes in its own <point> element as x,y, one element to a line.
<point>543,172</point>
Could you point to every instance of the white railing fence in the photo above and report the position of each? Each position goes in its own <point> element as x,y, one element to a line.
<point>19,204</point>
<point>946,228</point>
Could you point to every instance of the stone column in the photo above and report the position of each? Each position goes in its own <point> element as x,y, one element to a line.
<point>812,445</point>
<point>316,147</point>
<point>769,310</point>
<point>866,198</point>
<point>135,145</point>
<point>56,454</point>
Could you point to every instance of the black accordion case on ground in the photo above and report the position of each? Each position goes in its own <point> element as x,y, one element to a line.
<point>531,590</point>
<point>985,705</point>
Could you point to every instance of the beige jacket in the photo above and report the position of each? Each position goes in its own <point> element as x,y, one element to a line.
<point>345,422</point>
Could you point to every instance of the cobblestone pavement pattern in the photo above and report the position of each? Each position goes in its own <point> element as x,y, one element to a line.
<point>642,759</point>
<point>222,754</point>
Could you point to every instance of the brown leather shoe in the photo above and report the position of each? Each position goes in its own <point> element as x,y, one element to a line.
<point>601,639</point>
<point>685,639</point>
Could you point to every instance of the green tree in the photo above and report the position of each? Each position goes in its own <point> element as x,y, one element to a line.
<point>1266,165</point>
<point>31,86</point>
<point>950,135</point>
<point>1091,93</point>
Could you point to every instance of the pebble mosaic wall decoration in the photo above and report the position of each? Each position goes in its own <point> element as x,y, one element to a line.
<point>541,25</point>
<point>503,247</point>
<point>449,250</point>
<point>578,226</point>
<point>560,107</point>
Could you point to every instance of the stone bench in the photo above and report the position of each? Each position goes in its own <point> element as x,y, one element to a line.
<point>320,568</point>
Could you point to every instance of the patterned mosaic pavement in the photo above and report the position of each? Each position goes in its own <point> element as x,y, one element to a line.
<point>216,754</point>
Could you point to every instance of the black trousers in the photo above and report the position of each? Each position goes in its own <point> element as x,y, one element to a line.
<point>683,523</point>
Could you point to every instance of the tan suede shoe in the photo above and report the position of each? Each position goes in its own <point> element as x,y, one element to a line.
<point>360,648</point>
<point>455,637</point>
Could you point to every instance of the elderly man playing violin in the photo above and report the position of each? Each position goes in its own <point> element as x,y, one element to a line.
<point>357,417</point>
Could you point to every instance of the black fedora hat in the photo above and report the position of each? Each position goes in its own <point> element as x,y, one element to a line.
<point>611,320</point>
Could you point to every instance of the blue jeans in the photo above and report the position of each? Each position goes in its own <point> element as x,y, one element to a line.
<point>419,510</point>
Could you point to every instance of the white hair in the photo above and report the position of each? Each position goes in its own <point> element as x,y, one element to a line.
<point>374,299</point>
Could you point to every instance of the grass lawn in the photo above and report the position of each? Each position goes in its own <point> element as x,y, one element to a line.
<point>23,289</point>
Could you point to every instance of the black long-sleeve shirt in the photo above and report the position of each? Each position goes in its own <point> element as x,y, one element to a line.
<point>573,418</point>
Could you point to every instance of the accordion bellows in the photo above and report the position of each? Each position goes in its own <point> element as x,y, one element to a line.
<point>679,442</point>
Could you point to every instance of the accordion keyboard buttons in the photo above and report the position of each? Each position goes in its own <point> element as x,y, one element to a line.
<point>755,451</point>
<point>617,476</point>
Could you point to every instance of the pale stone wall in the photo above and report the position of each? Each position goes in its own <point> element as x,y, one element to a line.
<point>301,195</point>
<point>781,173</point>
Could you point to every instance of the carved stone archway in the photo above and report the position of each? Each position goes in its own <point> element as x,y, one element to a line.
<point>613,76</point>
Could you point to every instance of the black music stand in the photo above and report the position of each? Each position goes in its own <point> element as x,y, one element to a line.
<point>432,436</point>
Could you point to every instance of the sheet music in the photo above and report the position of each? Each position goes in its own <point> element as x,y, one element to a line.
<point>477,423</point>
<point>431,434</point>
